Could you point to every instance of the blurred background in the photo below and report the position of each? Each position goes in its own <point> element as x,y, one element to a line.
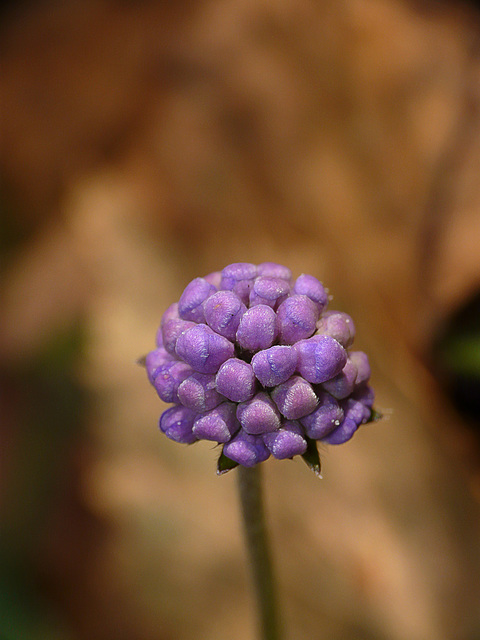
<point>146,143</point>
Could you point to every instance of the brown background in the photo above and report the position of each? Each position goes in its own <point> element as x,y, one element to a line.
<point>147,143</point>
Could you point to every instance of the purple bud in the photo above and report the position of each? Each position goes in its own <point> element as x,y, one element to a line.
<point>258,415</point>
<point>297,317</point>
<point>223,312</point>
<point>270,291</point>
<point>170,314</point>
<point>343,433</point>
<point>203,349</point>
<point>239,277</point>
<point>154,360</point>
<point>327,416</point>
<point>169,377</point>
<point>275,365</point>
<point>171,330</point>
<point>218,425</point>
<point>198,392</point>
<point>341,385</point>
<point>360,360</point>
<point>190,304</point>
<point>365,395</point>
<point>338,325</point>
<point>236,381</point>
<point>177,424</point>
<point>320,358</point>
<point>248,450</point>
<point>274,270</point>
<point>286,442</point>
<point>214,278</point>
<point>311,287</point>
<point>258,328</point>
<point>294,398</point>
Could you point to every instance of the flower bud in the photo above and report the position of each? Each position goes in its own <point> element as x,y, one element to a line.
<point>294,398</point>
<point>274,365</point>
<point>171,330</point>
<point>257,329</point>
<point>246,449</point>
<point>258,415</point>
<point>286,442</point>
<point>190,305</point>
<point>270,291</point>
<point>312,288</point>
<point>341,385</point>
<point>203,349</point>
<point>154,360</point>
<point>360,360</point>
<point>320,358</point>
<point>198,392</point>
<point>218,425</point>
<point>169,377</point>
<point>297,317</point>
<point>338,325</point>
<point>239,277</point>
<point>236,381</point>
<point>274,270</point>
<point>223,312</point>
<point>177,424</point>
<point>327,416</point>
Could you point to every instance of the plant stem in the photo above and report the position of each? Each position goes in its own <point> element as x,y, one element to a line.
<point>251,501</point>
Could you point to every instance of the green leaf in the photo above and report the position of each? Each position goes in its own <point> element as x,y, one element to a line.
<point>374,416</point>
<point>311,457</point>
<point>224,464</point>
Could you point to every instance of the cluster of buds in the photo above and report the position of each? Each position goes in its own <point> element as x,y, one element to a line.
<point>251,359</point>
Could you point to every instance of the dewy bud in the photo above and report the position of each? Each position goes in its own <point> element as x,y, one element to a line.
<point>252,360</point>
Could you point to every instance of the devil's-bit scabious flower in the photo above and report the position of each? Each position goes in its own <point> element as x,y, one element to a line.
<point>251,358</point>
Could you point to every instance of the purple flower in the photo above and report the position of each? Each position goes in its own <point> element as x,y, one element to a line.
<point>252,360</point>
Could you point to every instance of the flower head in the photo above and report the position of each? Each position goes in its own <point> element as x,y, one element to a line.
<point>251,359</point>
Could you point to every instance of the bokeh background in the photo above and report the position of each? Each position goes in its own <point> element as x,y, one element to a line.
<point>145,143</point>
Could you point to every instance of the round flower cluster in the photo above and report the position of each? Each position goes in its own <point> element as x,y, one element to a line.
<point>251,358</point>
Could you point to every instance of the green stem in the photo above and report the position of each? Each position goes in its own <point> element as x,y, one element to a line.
<point>251,501</point>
